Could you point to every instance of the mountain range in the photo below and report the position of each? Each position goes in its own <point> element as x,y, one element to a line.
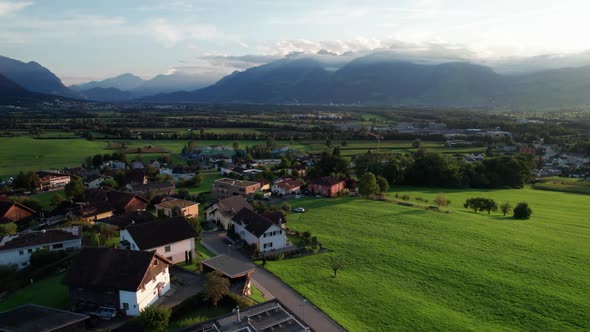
<point>13,94</point>
<point>127,87</point>
<point>373,79</point>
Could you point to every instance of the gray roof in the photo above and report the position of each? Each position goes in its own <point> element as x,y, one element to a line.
<point>32,317</point>
<point>229,266</point>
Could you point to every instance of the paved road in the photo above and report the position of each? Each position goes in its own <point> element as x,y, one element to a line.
<point>312,316</point>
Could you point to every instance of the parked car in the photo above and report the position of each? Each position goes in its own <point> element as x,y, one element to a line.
<point>299,210</point>
<point>105,313</point>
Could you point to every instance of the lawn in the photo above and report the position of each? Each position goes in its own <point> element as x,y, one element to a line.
<point>411,269</point>
<point>564,184</point>
<point>28,154</point>
<point>48,292</point>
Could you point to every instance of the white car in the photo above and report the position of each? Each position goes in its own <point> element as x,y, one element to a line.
<point>299,210</point>
<point>297,196</point>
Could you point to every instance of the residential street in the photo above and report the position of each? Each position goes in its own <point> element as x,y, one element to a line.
<point>312,316</point>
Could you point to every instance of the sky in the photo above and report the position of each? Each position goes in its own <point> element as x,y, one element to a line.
<point>83,40</point>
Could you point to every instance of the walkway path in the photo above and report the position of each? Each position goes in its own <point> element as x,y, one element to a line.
<point>312,316</point>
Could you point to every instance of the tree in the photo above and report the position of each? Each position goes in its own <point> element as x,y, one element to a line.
<point>7,229</point>
<point>97,160</point>
<point>155,318</point>
<point>505,208</point>
<point>56,199</point>
<point>74,189</point>
<point>522,211</point>
<point>215,288</point>
<point>440,200</point>
<point>109,183</point>
<point>336,263</point>
<point>368,185</point>
<point>383,184</point>
<point>416,143</point>
<point>481,204</point>
<point>236,146</point>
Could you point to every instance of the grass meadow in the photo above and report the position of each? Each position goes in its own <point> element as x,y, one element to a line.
<point>409,269</point>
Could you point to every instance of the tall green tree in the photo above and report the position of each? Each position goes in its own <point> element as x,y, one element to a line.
<point>74,189</point>
<point>215,288</point>
<point>383,184</point>
<point>368,185</point>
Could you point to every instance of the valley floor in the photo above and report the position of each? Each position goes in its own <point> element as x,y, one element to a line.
<point>411,269</point>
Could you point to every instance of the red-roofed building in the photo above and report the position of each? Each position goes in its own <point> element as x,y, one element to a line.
<point>327,186</point>
<point>286,187</point>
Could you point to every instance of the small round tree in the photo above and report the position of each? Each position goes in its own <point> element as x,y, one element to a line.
<point>368,184</point>
<point>383,184</point>
<point>522,211</point>
<point>155,319</point>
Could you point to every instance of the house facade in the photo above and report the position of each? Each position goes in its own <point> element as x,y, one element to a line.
<point>286,187</point>
<point>172,238</point>
<point>188,209</point>
<point>222,211</point>
<point>327,186</point>
<point>123,279</point>
<point>51,181</point>
<point>224,188</point>
<point>255,228</point>
<point>16,250</point>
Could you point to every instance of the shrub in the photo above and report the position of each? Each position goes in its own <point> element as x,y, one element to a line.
<point>155,319</point>
<point>522,211</point>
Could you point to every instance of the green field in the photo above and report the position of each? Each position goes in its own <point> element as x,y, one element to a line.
<point>48,292</point>
<point>410,269</point>
<point>564,184</point>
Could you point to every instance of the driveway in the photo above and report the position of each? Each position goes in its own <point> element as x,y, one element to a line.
<point>272,285</point>
<point>185,284</point>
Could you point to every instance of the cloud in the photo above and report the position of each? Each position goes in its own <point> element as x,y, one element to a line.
<point>9,7</point>
<point>169,34</point>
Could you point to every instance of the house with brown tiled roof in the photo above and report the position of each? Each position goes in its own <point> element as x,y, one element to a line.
<point>286,187</point>
<point>127,280</point>
<point>122,202</point>
<point>222,211</point>
<point>185,208</point>
<point>15,212</point>
<point>326,186</point>
<point>16,250</point>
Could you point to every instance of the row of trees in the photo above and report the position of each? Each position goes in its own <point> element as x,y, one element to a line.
<point>521,211</point>
<point>439,170</point>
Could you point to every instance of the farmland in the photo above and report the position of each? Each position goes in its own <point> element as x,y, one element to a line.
<point>30,154</point>
<point>411,269</point>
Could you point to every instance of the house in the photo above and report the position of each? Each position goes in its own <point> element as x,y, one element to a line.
<point>129,280</point>
<point>121,202</point>
<point>94,181</point>
<point>187,209</point>
<point>113,164</point>
<point>183,173</point>
<point>224,188</point>
<point>238,272</point>
<point>52,180</point>
<point>153,188</point>
<point>269,316</point>
<point>16,250</point>
<point>15,212</point>
<point>286,187</point>
<point>154,164</point>
<point>32,317</point>
<point>326,186</point>
<point>173,238</point>
<point>130,218</point>
<point>264,185</point>
<point>137,164</point>
<point>90,212</point>
<point>257,229</point>
<point>136,176</point>
<point>222,211</point>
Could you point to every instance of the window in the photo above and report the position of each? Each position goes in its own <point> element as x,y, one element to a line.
<point>125,306</point>
<point>58,246</point>
<point>167,248</point>
<point>21,252</point>
<point>30,250</point>
<point>280,232</point>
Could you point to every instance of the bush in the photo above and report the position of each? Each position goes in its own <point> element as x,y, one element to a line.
<point>522,211</point>
<point>286,207</point>
<point>155,319</point>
